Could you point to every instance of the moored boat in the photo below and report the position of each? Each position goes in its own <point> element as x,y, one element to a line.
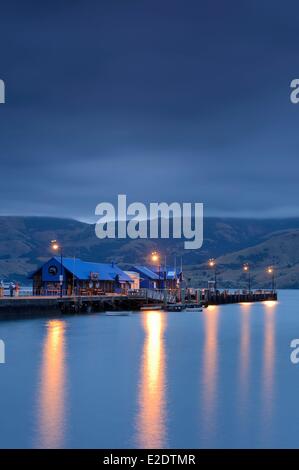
<point>151,307</point>
<point>174,307</point>
<point>117,314</point>
<point>193,308</point>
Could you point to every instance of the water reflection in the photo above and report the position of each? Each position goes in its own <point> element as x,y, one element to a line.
<point>210,368</point>
<point>268,385</point>
<point>151,419</point>
<point>51,399</point>
<point>244,363</point>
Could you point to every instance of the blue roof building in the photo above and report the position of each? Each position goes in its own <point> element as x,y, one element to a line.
<point>148,278</point>
<point>153,278</point>
<point>81,277</point>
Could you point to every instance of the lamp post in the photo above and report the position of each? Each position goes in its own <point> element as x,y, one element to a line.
<point>165,273</point>
<point>155,257</point>
<point>55,246</point>
<point>271,271</point>
<point>246,269</point>
<point>212,264</point>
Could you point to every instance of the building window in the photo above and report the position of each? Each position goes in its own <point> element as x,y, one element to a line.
<point>53,270</point>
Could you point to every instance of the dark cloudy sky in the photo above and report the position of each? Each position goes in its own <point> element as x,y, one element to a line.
<point>175,100</point>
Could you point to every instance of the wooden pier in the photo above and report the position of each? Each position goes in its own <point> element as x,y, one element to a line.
<point>36,306</point>
<point>234,298</point>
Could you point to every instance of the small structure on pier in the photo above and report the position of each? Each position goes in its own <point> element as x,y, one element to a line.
<point>79,277</point>
<point>135,279</point>
<point>148,278</point>
<point>153,277</point>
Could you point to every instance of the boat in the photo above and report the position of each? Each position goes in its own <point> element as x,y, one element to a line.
<point>193,308</point>
<point>174,307</point>
<point>151,307</point>
<point>117,314</point>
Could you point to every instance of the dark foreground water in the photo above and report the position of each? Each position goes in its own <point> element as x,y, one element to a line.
<point>220,378</point>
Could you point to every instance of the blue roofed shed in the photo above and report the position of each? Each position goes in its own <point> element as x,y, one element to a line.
<point>148,278</point>
<point>153,278</point>
<point>80,277</point>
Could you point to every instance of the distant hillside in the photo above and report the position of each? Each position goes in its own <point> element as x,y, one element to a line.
<point>280,250</point>
<point>25,243</point>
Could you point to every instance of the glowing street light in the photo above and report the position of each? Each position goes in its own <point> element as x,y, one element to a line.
<point>56,247</point>
<point>155,256</point>
<point>271,272</point>
<point>246,269</point>
<point>212,264</point>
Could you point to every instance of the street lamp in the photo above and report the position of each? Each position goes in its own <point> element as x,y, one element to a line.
<point>246,269</point>
<point>155,256</point>
<point>56,247</point>
<point>212,264</point>
<point>271,272</point>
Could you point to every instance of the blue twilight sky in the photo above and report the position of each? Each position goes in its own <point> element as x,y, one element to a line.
<point>175,100</point>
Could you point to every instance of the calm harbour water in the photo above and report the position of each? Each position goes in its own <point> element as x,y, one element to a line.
<point>221,378</point>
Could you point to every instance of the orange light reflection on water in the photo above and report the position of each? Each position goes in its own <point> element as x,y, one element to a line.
<point>210,367</point>
<point>51,393</point>
<point>244,364</point>
<point>151,419</point>
<point>268,384</point>
<point>270,303</point>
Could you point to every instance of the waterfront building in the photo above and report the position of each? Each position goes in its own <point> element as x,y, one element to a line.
<point>153,277</point>
<point>135,278</point>
<point>79,277</point>
<point>148,278</point>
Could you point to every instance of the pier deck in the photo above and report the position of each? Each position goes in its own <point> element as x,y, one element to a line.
<point>225,298</point>
<point>32,306</point>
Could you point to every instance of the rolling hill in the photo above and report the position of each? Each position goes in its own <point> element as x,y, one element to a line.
<point>25,243</point>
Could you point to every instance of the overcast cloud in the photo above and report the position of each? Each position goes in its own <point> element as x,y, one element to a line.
<point>160,100</point>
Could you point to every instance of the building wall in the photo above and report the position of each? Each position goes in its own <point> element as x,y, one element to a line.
<point>46,281</point>
<point>148,284</point>
<point>135,277</point>
<point>75,286</point>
